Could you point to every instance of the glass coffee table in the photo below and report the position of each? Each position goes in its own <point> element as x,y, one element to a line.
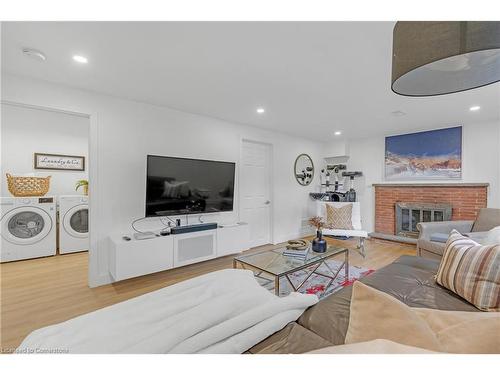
<point>276,265</point>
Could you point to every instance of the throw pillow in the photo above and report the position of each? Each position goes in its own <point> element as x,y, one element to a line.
<point>339,217</point>
<point>471,270</point>
<point>377,315</point>
<point>493,236</point>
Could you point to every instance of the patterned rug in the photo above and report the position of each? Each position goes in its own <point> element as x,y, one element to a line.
<point>317,283</point>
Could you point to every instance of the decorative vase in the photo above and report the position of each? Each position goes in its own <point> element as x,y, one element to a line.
<point>319,244</point>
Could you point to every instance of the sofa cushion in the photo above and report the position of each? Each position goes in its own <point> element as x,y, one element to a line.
<point>412,281</point>
<point>439,237</point>
<point>377,315</point>
<point>293,339</point>
<point>378,346</point>
<point>487,219</point>
<point>492,237</point>
<point>479,237</point>
<point>464,331</point>
<point>331,317</point>
<point>418,263</point>
<point>471,271</point>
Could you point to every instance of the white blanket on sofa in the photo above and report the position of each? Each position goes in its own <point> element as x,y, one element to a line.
<point>222,312</point>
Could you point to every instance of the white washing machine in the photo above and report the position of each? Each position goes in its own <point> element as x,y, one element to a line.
<point>73,223</point>
<point>28,228</point>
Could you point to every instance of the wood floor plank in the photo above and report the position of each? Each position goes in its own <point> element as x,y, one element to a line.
<point>40,292</point>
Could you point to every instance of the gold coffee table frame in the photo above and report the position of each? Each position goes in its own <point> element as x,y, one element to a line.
<point>277,265</point>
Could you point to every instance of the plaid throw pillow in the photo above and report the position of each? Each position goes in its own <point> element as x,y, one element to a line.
<point>339,217</point>
<point>472,271</point>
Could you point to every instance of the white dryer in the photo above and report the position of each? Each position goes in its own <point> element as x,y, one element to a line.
<point>73,223</point>
<point>28,228</point>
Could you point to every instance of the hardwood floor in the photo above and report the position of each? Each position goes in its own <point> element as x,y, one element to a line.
<point>40,292</point>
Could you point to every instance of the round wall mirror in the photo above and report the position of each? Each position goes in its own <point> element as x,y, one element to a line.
<point>304,169</point>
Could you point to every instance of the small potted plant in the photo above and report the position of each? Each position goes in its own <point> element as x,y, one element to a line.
<point>85,185</point>
<point>319,245</point>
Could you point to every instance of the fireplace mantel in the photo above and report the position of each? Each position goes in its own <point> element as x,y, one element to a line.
<point>433,184</point>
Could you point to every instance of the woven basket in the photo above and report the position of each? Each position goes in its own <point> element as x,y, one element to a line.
<point>28,186</point>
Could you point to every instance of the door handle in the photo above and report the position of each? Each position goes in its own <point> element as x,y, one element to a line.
<point>267,202</point>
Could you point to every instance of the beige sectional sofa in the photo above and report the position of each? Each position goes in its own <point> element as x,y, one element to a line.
<point>409,279</point>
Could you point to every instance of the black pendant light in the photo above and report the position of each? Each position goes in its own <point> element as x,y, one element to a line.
<point>436,58</point>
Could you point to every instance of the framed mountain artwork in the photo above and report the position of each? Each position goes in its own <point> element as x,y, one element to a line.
<point>434,154</point>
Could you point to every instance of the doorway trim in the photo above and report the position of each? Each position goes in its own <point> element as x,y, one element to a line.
<point>270,179</point>
<point>94,277</point>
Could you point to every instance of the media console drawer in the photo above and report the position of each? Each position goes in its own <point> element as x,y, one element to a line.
<point>232,239</point>
<point>140,257</point>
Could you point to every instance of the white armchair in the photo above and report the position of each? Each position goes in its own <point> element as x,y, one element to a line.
<point>357,230</point>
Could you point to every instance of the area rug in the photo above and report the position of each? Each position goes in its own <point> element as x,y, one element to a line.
<point>317,283</point>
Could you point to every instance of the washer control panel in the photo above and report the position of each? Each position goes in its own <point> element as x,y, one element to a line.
<point>46,200</point>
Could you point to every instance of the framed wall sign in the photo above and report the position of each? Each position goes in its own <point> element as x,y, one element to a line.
<point>59,162</point>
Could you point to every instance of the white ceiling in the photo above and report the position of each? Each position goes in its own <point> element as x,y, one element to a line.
<point>311,77</point>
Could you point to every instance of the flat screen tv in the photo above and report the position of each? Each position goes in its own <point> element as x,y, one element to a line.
<point>179,186</point>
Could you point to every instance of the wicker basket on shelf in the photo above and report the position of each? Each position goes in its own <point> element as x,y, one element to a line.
<point>28,186</point>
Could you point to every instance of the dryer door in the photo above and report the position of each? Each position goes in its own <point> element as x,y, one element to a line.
<point>26,225</point>
<point>76,221</point>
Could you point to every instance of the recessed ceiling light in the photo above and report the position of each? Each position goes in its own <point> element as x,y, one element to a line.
<point>475,108</point>
<point>260,110</point>
<point>30,52</point>
<point>80,59</point>
<point>338,132</point>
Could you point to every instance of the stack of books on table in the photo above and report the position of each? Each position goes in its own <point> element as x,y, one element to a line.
<point>299,254</point>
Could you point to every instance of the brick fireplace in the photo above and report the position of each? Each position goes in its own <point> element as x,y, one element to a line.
<point>465,198</point>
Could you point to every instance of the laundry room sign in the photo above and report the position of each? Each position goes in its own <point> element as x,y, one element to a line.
<point>59,162</point>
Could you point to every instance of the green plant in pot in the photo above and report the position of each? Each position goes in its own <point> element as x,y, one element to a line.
<point>84,184</point>
<point>319,244</point>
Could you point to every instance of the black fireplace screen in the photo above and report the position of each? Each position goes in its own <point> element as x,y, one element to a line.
<point>408,215</point>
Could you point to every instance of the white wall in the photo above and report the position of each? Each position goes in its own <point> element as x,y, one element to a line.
<point>124,132</point>
<point>480,163</point>
<point>26,131</point>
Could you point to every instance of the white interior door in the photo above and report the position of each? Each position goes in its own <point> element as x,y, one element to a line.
<point>255,191</point>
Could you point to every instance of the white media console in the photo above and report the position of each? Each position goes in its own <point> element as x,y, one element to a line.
<point>134,258</point>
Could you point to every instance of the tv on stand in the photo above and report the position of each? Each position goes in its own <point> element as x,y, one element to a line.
<point>182,186</point>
